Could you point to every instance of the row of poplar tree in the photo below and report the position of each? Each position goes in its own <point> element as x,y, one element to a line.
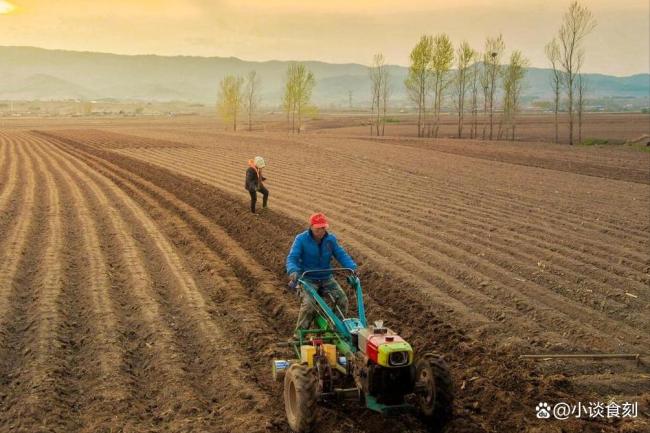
<point>473,86</point>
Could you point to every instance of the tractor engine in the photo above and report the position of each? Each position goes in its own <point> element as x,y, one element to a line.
<point>387,371</point>
<point>390,385</point>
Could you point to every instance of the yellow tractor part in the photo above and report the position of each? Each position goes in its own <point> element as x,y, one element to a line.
<point>307,353</point>
<point>397,354</point>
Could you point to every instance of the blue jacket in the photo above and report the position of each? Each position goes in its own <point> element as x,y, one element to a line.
<point>306,255</point>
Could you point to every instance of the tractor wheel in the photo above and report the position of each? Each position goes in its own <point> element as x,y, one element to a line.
<point>300,397</point>
<point>436,402</point>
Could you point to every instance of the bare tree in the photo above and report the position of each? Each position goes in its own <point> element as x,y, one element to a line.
<point>582,88</point>
<point>494,48</point>
<point>475,83</point>
<point>230,99</point>
<point>252,98</point>
<point>417,81</point>
<point>513,76</point>
<point>553,54</point>
<point>464,57</point>
<point>377,76</point>
<point>577,24</point>
<point>484,80</point>
<point>299,86</point>
<point>441,62</point>
<point>288,102</point>
<point>385,96</point>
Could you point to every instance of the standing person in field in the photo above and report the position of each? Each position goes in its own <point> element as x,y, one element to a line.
<point>312,250</point>
<point>255,181</point>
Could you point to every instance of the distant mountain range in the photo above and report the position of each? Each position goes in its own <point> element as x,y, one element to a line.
<point>38,74</point>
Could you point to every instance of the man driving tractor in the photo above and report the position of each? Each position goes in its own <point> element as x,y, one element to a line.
<point>345,358</point>
<point>312,250</point>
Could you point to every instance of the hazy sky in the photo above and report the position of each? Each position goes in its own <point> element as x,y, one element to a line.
<point>338,31</point>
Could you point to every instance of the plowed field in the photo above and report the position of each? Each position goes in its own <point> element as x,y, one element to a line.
<point>138,293</point>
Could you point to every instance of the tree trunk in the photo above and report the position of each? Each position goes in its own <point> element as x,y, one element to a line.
<point>419,113</point>
<point>372,114</point>
<point>580,124</point>
<point>557,108</point>
<point>491,115</point>
<point>570,109</point>
<point>383,120</point>
<point>299,117</point>
<point>556,126</point>
<point>485,114</point>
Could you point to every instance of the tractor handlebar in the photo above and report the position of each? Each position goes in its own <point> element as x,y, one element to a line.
<point>350,270</point>
<point>293,285</point>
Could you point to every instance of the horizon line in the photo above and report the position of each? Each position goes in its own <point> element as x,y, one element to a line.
<point>262,61</point>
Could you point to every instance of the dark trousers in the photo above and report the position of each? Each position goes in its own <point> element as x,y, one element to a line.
<point>253,193</point>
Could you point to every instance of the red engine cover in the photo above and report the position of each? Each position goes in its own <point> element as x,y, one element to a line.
<point>374,341</point>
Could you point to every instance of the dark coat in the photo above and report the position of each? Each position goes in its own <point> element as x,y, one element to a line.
<point>253,182</point>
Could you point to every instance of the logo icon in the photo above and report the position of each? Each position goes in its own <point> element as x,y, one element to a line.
<point>543,410</point>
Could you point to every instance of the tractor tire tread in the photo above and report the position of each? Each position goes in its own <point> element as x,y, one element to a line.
<point>306,386</point>
<point>443,409</point>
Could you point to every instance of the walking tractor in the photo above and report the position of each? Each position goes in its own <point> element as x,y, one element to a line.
<point>346,359</point>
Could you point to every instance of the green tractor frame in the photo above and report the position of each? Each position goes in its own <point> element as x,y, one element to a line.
<point>345,359</point>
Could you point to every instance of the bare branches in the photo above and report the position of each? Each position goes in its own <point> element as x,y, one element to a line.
<point>494,48</point>
<point>475,74</point>
<point>581,87</point>
<point>380,90</point>
<point>552,50</point>
<point>385,96</point>
<point>465,55</point>
<point>252,98</point>
<point>513,76</point>
<point>578,22</point>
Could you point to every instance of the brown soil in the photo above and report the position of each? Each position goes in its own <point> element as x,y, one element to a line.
<point>138,294</point>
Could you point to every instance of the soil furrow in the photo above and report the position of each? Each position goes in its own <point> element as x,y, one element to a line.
<point>426,216</point>
<point>209,354</point>
<point>15,224</point>
<point>32,357</point>
<point>96,383</point>
<point>8,195</point>
<point>5,148</point>
<point>239,309</point>
<point>279,300</point>
<point>151,362</point>
<point>572,166</point>
<point>408,262</point>
<point>606,269</point>
<point>351,177</point>
<point>496,389</point>
<point>642,265</point>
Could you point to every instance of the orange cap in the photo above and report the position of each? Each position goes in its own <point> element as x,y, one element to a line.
<point>318,220</point>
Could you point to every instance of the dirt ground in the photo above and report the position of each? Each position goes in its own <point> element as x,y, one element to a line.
<point>138,293</point>
<point>614,127</point>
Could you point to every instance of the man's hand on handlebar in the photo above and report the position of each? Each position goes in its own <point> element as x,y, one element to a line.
<point>293,281</point>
